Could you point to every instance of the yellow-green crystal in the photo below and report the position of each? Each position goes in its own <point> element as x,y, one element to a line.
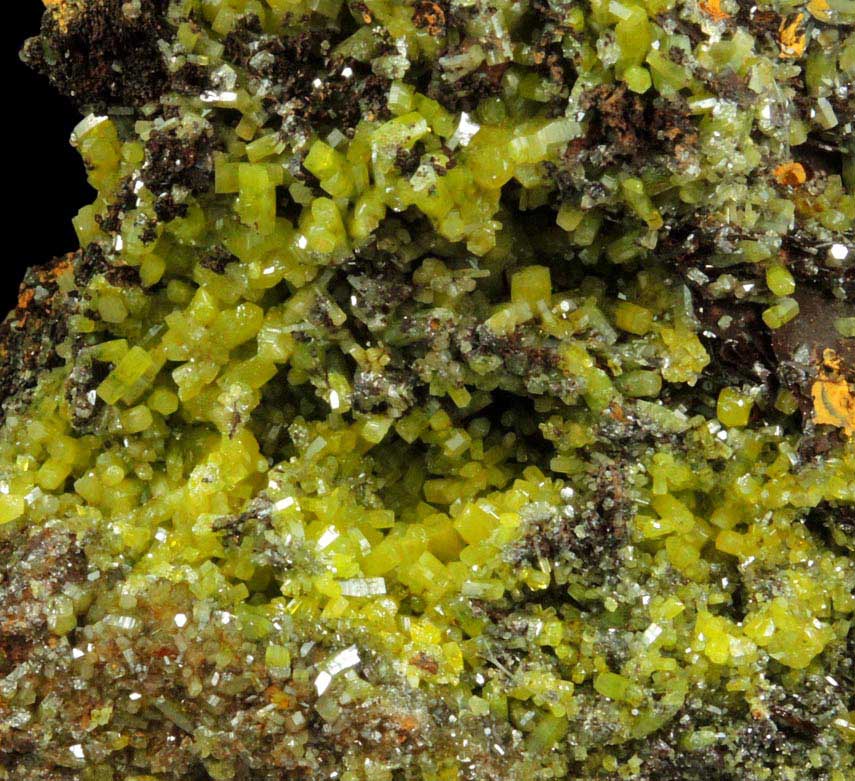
<point>442,391</point>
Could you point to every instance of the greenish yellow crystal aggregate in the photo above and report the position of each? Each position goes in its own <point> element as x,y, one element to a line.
<point>442,390</point>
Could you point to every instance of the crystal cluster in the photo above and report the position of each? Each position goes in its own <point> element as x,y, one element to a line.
<point>442,391</point>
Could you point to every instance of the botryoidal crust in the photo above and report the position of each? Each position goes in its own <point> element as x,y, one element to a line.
<point>441,391</point>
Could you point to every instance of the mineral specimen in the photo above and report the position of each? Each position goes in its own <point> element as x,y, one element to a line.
<point>451,390</point>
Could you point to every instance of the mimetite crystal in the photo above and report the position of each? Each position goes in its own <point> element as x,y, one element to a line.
<point>441,391</point>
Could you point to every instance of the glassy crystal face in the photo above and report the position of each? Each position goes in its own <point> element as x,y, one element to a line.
<point>441,391</point>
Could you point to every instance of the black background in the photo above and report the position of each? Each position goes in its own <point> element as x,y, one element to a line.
<point>43,180</point>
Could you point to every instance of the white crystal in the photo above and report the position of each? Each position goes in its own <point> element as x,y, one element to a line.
<point>363,587</point>
<point>839,251</point>
<point>466,130</point>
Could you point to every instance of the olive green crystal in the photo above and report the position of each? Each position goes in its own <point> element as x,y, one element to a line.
<point>442,391</point>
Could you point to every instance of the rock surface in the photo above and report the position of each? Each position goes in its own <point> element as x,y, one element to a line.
<point>441,391</point>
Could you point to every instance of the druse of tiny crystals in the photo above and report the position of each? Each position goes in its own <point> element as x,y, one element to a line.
<point>442,391</point>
